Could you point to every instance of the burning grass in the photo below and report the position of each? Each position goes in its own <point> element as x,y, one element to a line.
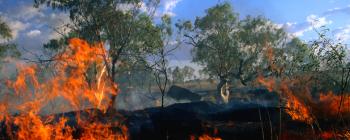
<point>30,95</point>
<point>328,114</point>
<point>25,98</point>
<point>301,106</point>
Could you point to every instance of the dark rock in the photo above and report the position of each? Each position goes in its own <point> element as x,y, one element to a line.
<point>201,107</point>
<point>179,93</point>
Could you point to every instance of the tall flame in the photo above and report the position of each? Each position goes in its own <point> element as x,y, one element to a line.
<point>70,86</point>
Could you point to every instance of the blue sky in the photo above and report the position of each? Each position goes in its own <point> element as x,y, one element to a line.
<point>33,27</point>
<point>296,16</point>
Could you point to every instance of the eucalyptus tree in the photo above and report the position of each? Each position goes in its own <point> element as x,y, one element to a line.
<point>259,42</point>
<point>230,48</point>
<point>123,25</point>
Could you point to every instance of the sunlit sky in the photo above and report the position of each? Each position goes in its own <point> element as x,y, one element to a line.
<point>33,27</point>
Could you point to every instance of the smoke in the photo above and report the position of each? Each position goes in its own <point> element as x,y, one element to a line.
<point>139,99</point>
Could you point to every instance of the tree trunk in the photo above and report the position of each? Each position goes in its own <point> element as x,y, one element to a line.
<point>163,100</point>
<point>113,98</point>
<point>223,89</point>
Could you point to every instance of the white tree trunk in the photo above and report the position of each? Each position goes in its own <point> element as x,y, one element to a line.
<point>225,93</point>
<point>224,90</point>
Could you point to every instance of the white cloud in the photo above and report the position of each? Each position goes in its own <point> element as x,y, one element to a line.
<point>57,22</point>
<point>16,26</point>
<point>33,33</point>
<point>32,27</point>
<point>20,19</point>
<point>316,21</point>
<point>342,34</point>
<point>27,12</point>
<point>169,6</point>
<point>312,21</point>
<point>335,10</point>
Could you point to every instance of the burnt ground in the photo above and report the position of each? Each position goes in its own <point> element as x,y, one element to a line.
<point>249,121</point>
<point>181,121</point>
<point>236,120</point>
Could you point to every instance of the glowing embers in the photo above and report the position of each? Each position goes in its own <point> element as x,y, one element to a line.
<point>205,137</point>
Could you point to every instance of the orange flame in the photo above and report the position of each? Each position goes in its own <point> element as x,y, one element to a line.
<point>205,137</point>
<point>71,87</point>
<point>295,107</point>
<point>330,103</point>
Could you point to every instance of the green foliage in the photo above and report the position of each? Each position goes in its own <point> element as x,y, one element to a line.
<point>5,31</point>
<point>230,48</point>
<point>299,58</point>
<point>7,49</point>
<point>177,75</point>
<point>180,74</point>
<point>129,33</point>
<point>257,36</point>
<point>332,67</point>
<point>216,47</point>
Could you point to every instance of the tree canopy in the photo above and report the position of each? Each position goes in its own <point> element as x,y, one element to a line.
<point>128,31</point>
<point>230,48</point>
